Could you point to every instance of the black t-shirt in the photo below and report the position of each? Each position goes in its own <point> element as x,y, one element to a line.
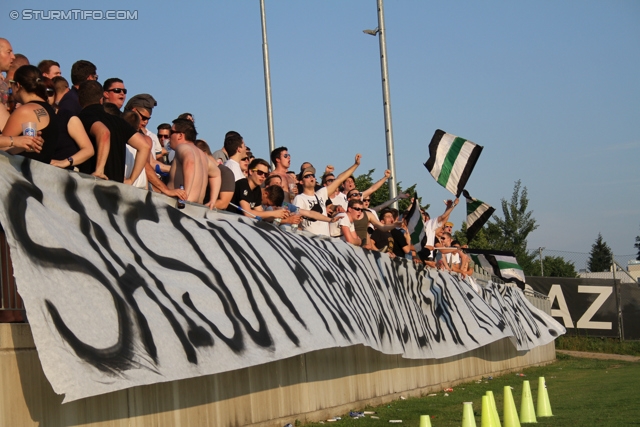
<point>382,239</point>
<point>121,132</point>
<point>399,242</point>
<point>244,192</point>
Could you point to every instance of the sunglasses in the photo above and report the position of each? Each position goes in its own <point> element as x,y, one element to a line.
<point>329,181</point>
<point>354,195</point>
<point>162,136</point>
<point>357,209</point>
<point>146,118</point>
<point>366,200</point>
<point>118,90</point>
<point>286,156</point>
<point>244,159</point>
<point>309,176</point>
<point>50,92</point>
<point>260,173</point>
<point>171,131</point>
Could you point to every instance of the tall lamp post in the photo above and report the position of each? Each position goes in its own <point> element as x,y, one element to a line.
<point>386,100</point>
<point>267,78</point>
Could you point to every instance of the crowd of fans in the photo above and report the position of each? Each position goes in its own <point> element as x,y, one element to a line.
<point>98,130</point>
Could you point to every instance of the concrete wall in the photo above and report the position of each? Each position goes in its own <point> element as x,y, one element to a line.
<point>309,387</point>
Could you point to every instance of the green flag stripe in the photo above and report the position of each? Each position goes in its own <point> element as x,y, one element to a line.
<point>507,265</point>
<point>473,205</point>
<point>477,213</point>
<point>449,161</point>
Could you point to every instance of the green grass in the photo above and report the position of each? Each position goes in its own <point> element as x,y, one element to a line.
<point>598,345</point>
<point>581,391</point>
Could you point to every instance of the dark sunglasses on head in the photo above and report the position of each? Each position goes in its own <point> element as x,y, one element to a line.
<point>260,173</point>
<point>118,90</point>
<point>309,176</point>
<point>357,209</point>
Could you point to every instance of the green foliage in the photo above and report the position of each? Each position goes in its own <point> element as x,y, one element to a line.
<point>480,240</point>
<point>598,345</point>
<point>637,246</point>
<point>380,196</point>
<point>510,233</point>
<point>600,257</point>
<point>554,266</point>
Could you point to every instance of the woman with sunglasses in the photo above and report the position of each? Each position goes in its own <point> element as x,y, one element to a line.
<point>30,90</point>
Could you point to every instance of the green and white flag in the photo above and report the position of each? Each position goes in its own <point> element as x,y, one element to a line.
<point>502,264</point>
<point>478,213</point>
<point>415,224</point>
<point>451,160</point>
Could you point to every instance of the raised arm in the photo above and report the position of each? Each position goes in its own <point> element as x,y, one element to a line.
<point>331,188</point>
<point>391,201</point>
<point>369,191</point>
<point>450,206</point>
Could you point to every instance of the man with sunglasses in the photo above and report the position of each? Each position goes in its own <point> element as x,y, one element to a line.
<point>248,194</point>
<point>317,200</point>
<point>192,168</point>
<point>114,92</point>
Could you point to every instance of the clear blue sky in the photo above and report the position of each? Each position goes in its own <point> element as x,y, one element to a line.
<point>549,88</point>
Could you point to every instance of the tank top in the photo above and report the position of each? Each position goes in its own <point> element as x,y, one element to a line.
<point>361,226</point>
<point>49,134</point>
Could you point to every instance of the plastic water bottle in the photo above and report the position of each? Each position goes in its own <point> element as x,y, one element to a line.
<point>180,201</point>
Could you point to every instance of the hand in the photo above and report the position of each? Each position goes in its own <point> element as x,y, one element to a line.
<point>62,164</point>
<point>295,219</point>
<point>334,219</point>
<point>281,213</point>
<point>404,196</point>
<point>387,174</point>
<point>211,205</point>
<point>100,175</point>
<point>398,224</point>
<point>180,194</point>
<point>30,144</point>
<point>358,158</point>
<point>329,169</point>
<point>127,181</point>
<point>338,209</point>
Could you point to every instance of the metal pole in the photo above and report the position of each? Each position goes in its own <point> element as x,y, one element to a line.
<point>540,249</point>
<point>618,299</point>
<point>391,162</point>
<point>267,78</point>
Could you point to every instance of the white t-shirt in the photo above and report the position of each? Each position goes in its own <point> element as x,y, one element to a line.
<point>430,228</point>
<point>334,227</point>
<point>346,222</point>
<point>235,168</point>
<point>341,200</point>
<point>129,161</point>
<point>316,203</point>
<point>156,147</point>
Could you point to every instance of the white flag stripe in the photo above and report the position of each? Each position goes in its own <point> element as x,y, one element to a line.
<point>512,272</point>
<point>471,218</point>
<point>459,166</point>
<point>443,148</point>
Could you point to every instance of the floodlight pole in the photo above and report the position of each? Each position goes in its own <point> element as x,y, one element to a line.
<point>267,79</point>
<point>386,102</point>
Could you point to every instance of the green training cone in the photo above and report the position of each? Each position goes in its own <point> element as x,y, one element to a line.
<point>494,409</point>
<point>425,421</point>
<point>527,413</point>
<point>487,413</point>
<point>510,415</point>
<point>544,406</point>
<point>468,419</point>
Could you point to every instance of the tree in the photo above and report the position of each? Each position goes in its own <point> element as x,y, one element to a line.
<point>600,257</point>
<point>554,266</point>
<point>510,233</point>
<point>380,196</point>
<point>480,240</point>
<point>637,246</point>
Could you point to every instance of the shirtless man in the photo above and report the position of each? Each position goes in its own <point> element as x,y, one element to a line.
<point>192,168</point>
<point>281,160</point>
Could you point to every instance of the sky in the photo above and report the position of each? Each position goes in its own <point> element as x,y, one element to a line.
<point>549,89</point>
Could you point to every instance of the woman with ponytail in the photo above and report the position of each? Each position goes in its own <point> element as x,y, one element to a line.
<point>30,90</point>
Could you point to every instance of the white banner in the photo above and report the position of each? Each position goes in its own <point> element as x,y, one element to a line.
<point>122,289</point>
